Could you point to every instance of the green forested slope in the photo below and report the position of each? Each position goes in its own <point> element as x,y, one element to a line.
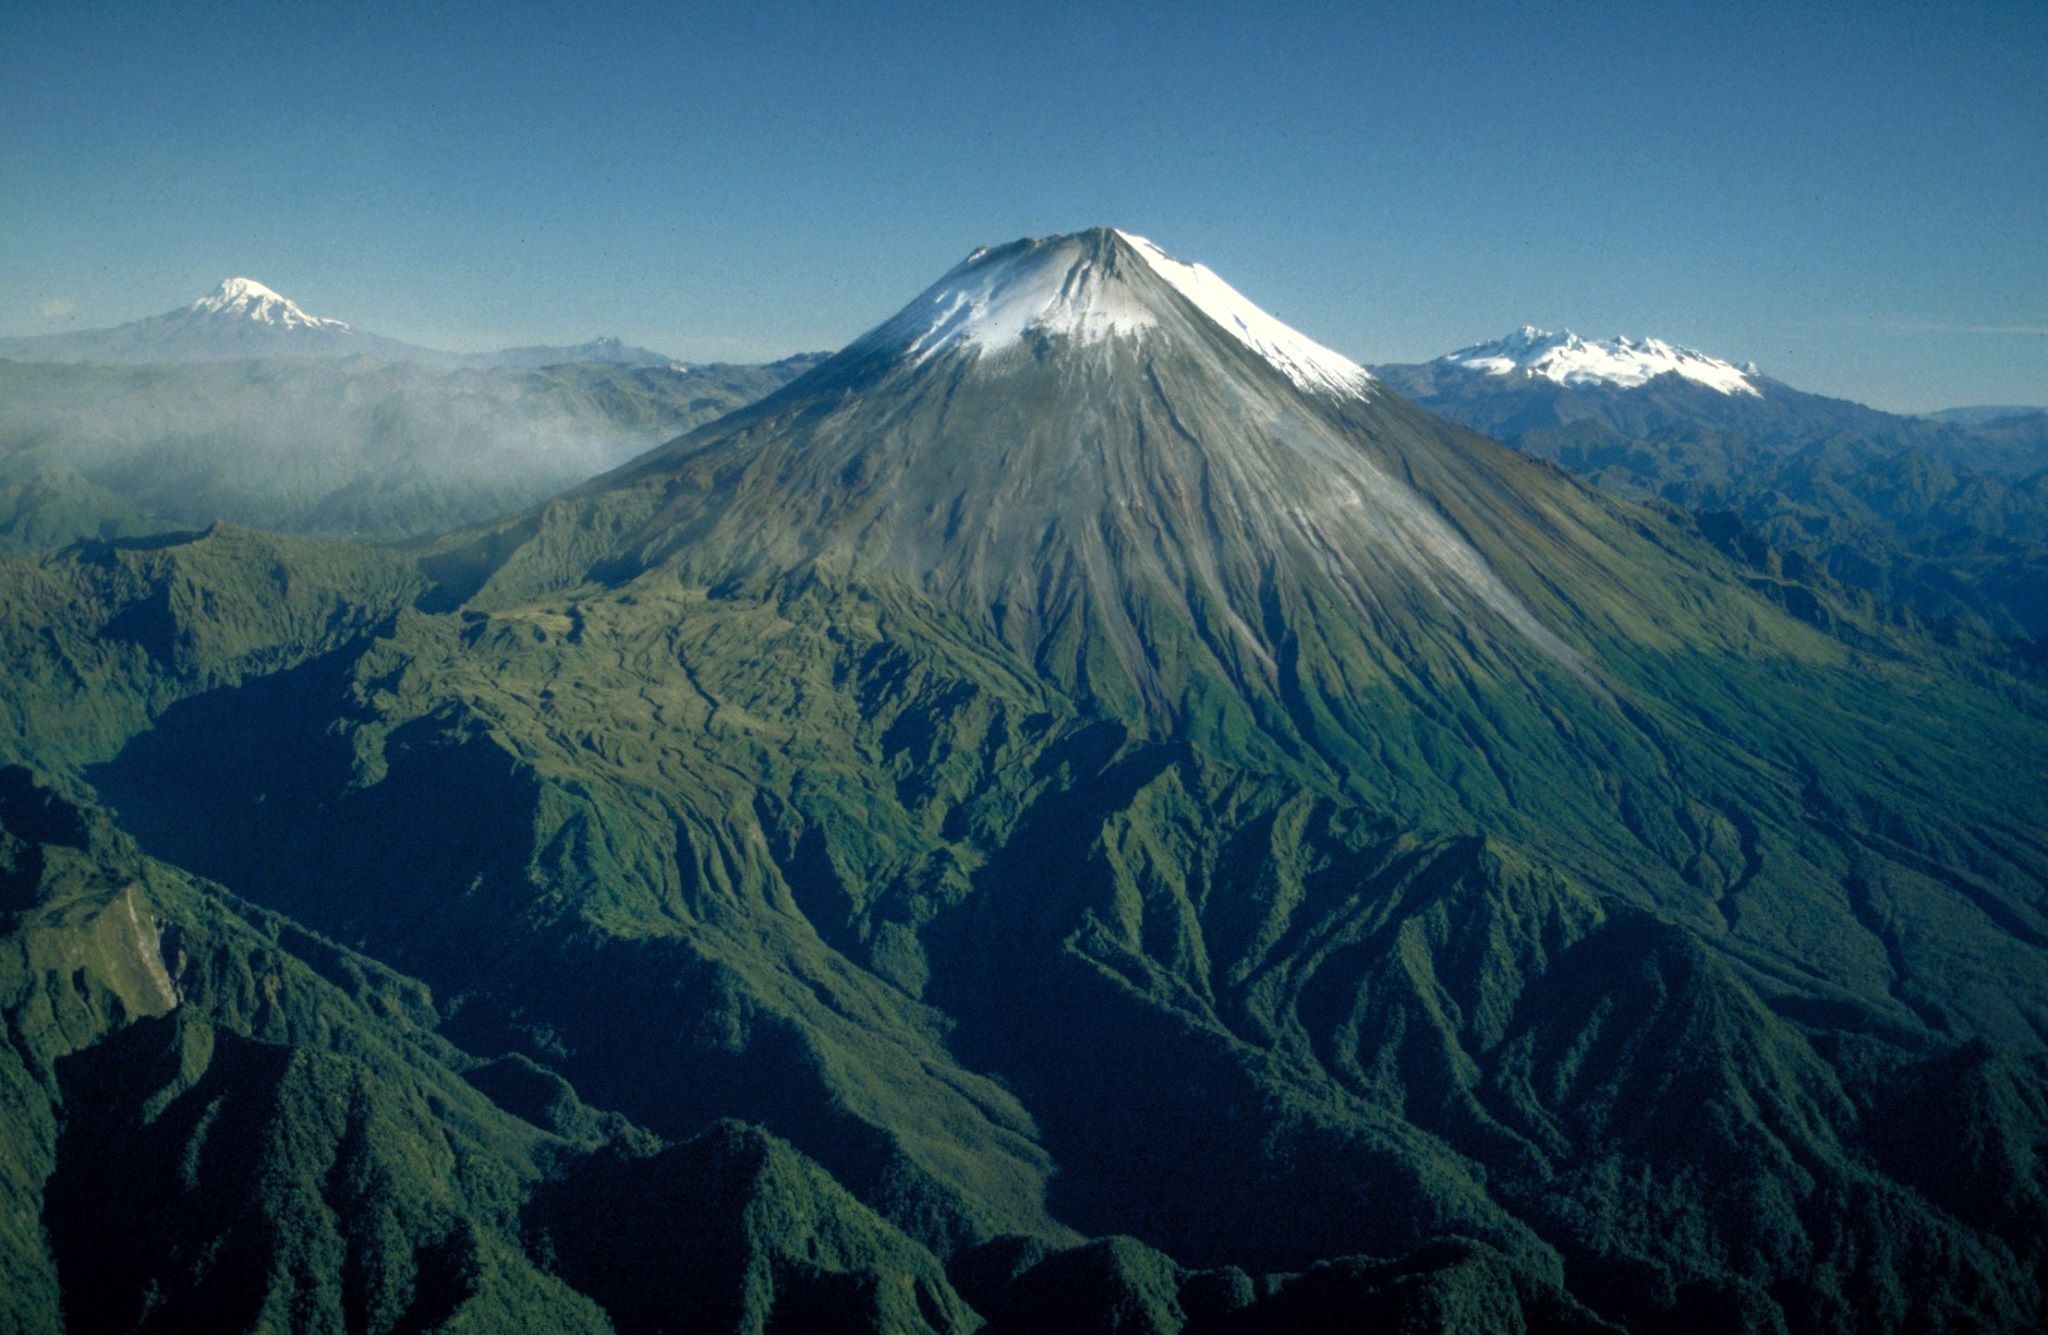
<point>1137,847</point>
<point>714,857</point>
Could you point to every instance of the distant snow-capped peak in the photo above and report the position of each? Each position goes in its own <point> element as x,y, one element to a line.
<point>1569,359</point>
<point>1071,286</point>
<point>248,299</point>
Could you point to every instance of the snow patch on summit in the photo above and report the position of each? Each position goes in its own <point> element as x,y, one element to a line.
<point>248,299</point>
<point>1056,285</point>
<point>1569,359</point>
<point>1072,286</point>
<point>1300,358</point>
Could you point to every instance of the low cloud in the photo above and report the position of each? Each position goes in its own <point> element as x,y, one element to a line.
<point>55,308</point>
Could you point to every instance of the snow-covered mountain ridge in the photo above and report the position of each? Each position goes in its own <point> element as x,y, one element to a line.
<point>1568,359</point>
<point>243,319</point>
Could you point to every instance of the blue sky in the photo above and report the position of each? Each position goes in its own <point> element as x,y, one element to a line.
<point>1855,195</point>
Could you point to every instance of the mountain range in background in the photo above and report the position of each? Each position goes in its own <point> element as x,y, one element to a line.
<point>1085,808</point>
<point>254,411</point>
<point>604,351</point>
<point>243,407</point>
<point>368,449</point>
<point>1536,380</point>
<point>1946,516</point>
<point>1987,414</point>
<point>243,319</point>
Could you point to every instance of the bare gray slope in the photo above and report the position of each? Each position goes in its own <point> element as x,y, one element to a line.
<point>1067,481</point>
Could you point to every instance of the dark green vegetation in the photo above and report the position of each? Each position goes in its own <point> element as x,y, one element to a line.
<point>1945,519</point>
<point>1087,837</point>
<point>354,448</point>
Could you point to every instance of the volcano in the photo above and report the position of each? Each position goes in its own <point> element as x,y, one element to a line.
<point>239,318</point>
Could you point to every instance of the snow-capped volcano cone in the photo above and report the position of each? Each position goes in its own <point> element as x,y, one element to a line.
<point>239,318</point>
<point>1093,446</point>
<point>1155,494</point>
<point>247,299</point>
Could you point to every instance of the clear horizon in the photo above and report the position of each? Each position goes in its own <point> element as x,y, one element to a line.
<point>1854,197</point>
